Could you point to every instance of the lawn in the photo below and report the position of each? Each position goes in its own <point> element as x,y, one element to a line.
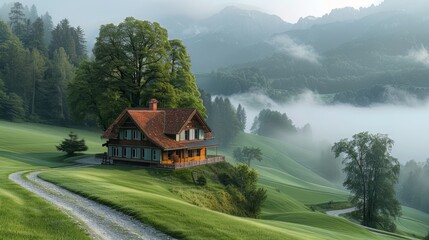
<point>161,198</point>
<point>137,192</point>
<point>23,215</point>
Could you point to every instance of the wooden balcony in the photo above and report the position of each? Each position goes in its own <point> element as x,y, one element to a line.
<point>210,160</point>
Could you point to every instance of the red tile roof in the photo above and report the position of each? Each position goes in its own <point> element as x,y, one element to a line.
<point>156,124</point>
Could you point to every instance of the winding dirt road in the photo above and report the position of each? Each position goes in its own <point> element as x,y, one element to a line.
<point>101,222</point>
<point>337,213</point>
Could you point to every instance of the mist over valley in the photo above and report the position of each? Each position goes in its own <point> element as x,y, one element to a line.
<point>405,123</point>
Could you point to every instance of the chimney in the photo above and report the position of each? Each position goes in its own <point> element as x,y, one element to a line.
<point>153,104</point>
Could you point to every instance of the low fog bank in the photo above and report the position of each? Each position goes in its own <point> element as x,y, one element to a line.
<point>407,125</point>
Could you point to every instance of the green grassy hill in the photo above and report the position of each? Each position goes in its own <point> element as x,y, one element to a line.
<point>24,215</point>
<point>162,198</point>
<point>286,180</point>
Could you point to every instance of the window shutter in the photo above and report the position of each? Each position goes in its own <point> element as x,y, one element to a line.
<point>110,151</point>
<point>147,154</point>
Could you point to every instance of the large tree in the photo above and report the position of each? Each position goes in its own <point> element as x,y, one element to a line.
<point>371,175</point>
<point>247,154</point>
<point>134,62</point>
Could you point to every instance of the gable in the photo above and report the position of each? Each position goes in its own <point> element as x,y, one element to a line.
<point>195,122</point>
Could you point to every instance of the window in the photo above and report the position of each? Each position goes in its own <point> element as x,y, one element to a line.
<point>142,155</point>
<point>115,151</point>
<point>197,133</point>
<point>136,135</point>
<point>191,134</point>
<point>124,152</point>
<point>125,133</point>
<point>190,153</point>
<point>187,135</point>
<point>198,152</point>
<point>154,157</point>
<point>134,153</point>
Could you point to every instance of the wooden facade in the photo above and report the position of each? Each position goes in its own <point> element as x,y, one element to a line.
<point>160,137</point>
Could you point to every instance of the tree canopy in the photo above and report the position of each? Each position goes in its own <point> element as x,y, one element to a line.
<point>371,175</point>
<point>134,62</point>
<point>271,123</point>
<point>247,154</point>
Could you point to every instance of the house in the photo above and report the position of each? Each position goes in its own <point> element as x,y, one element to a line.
<point>172,138</point>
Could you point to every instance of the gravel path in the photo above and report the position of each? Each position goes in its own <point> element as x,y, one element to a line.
<point>101,222</point>
<point>337,213</point>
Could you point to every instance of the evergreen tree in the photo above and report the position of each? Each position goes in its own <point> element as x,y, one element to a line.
<point>241,116</point>
<point>36,36</point>
<point>79,38</point>
<point>38,68</point>
<point>272,124</point>
<point>72,144</point>
<point>33,14</point>
<point>17,20</point>
<point>47,29</point>
<point>54,102</point>
<point>70,39</point>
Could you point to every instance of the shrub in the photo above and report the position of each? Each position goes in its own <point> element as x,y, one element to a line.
<point>225,179</point>
<point>201,181</point>
<point>72,144</point>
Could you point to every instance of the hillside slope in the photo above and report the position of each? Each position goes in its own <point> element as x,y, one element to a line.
<point>151,197</point>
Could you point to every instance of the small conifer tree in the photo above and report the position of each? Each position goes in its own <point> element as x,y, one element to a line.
<point>72,144</point>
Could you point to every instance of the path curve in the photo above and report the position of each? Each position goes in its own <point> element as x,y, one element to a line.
<point>337,213</point>
<point>101,222</point>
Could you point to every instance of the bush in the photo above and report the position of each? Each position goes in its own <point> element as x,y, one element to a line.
<point>72,145</point>
<point>201,181</point>
<point>225,179</point>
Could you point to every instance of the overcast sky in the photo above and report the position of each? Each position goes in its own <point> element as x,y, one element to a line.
<point>97,12</point>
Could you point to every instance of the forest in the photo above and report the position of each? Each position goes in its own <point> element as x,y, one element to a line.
<point>37,62</point>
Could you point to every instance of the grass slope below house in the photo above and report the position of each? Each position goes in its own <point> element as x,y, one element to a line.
<point>159,198</point>
<point>286,180</point>
<point>149,195</point>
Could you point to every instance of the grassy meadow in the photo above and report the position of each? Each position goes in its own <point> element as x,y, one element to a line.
<point>23,215</point>
<point>165,199</point>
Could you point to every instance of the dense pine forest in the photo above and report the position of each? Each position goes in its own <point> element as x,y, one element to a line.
<point>37,62</point>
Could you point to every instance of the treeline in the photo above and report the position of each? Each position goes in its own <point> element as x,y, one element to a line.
<point>356,81</point>
<point>37,62</point>
<point>413,188</point>
<point>225,121</point>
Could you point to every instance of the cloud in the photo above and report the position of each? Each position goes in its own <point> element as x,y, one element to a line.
<point>300,51</point>
<point>419,55</point>
<point>405,124</point>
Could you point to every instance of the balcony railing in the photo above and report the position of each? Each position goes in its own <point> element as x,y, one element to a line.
<point>210,160</point>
